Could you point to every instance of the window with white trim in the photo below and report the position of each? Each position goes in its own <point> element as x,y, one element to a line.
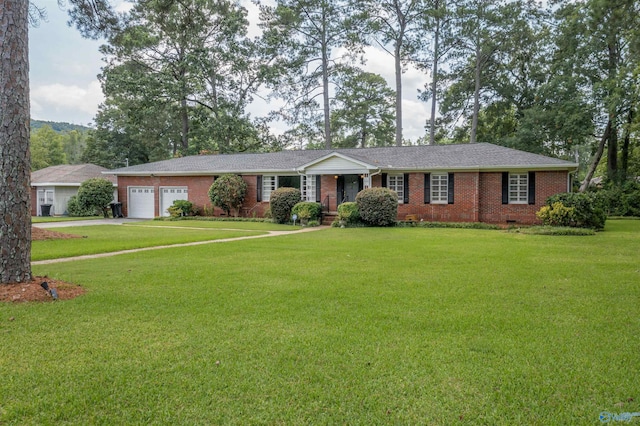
<point>271,183</point>
<point>518,188</point>
<point>396,183</point>
<point>308,187</point>
<point>439,188</point>
<point>268,184</point>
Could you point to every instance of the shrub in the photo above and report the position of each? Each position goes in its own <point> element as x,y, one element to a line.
<point>181,208</point>
<point>228,193</point>
<point>282,201</point>
<point>75,209</point>
<point>378,206</point>
<point>557,214</point>
<point>307,210</point>
<point>589,208</point>
<point>95,195</point>
<point>348,213</point>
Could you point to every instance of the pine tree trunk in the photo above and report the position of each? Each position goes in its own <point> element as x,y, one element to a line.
<point>476,96</point>
<point>15,194</point>
<point>398,69</point>
<point>434,82</point>
<point>325,84</point>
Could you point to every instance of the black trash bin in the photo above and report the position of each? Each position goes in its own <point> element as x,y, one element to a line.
<point>116,210</point>
<point>45,209</point>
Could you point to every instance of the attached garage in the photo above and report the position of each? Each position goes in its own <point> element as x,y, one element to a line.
<point>141,202</point>
<point>169,194</point>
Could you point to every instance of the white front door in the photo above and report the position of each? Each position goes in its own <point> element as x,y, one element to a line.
<point>141,202</point>
<point>169,194</point>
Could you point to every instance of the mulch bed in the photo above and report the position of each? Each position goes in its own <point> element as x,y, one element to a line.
<point>32,291</point>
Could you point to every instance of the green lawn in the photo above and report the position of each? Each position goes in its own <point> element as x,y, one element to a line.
<point>339,326</point>
<point>47,219</point>
<point>110,238</point>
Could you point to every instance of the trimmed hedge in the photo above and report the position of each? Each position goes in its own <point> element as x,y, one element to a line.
<point>378,206</point>
<point>282,201</point>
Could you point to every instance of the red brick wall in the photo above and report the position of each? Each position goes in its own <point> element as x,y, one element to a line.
<point>464,208</point>
<point>477,196</point>
<point>493,211</point>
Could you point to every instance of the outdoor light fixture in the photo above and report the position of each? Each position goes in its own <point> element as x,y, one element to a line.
<point>51,291</point>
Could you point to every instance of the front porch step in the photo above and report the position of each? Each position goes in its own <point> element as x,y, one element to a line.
<point>329,217</point>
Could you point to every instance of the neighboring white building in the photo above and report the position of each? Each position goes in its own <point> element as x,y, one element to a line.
<point>56,184</point>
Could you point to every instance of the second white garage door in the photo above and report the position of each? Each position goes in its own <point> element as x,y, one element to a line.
<point>168,195</point>
<point>141,202</point>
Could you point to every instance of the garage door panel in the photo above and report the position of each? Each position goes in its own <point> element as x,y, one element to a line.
<point>141,202</point>
<point>170,194</point>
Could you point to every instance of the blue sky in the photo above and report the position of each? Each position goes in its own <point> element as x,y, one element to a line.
<point>65,87</point>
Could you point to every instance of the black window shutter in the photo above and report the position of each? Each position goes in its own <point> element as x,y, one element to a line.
<point>505,188</point>
<point>259,189</point>
<point>450,188</point>
<point>405,182</point>
<point>427,188</point>
<point>384,180</point>
<point>318,194</point>
<point>532,187</point>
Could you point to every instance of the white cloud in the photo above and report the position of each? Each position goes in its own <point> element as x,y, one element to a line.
<point>60,102</point>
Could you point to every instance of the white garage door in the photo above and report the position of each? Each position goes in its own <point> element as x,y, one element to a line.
<point>141,202</point>
<point>168,195</point>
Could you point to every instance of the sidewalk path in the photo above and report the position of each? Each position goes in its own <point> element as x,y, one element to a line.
<point>197,243</point>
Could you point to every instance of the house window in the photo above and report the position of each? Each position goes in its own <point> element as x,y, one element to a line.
<point>396,183</point>
<point>268,185</point>
<point>308,188</point>
<point>271,183</point>
<point>440,188</point>
<point>518,188</point>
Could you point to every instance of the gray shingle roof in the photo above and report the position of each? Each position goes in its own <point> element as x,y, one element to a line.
<point>480,156</point>
<point>68,174</point>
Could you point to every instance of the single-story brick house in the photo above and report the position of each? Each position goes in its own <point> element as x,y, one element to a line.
<point>53,186</point>
<point>465,183</point>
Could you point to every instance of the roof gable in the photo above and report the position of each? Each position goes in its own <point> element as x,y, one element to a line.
<point>336,162</point>
<point>68,174</point>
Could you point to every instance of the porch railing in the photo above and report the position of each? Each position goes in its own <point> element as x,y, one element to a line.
<point>325,205</point>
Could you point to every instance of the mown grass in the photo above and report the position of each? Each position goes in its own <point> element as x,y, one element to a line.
<point>47,219</point>
<point>342,326</point>
<point>110,238</point>
<point>198,222</point>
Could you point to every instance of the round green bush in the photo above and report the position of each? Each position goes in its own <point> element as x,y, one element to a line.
<point>348,212</point>
<point>95,195</point>
<point>228,193</point>
<point>282,202</point>
<point>307,210</point>
<point>378,206</point>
